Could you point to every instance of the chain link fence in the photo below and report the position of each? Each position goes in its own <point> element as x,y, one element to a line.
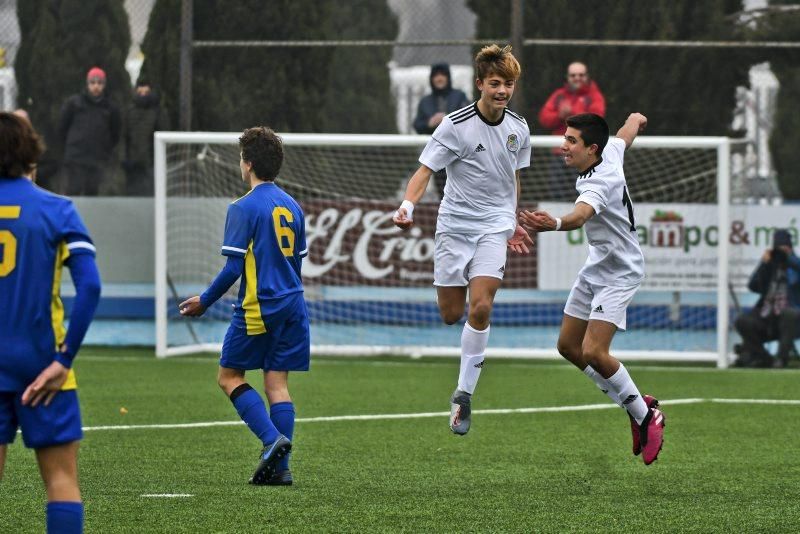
<point>427,32</point>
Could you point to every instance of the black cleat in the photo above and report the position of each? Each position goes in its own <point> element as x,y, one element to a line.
<point>281,478</point>
<point>270,456</point>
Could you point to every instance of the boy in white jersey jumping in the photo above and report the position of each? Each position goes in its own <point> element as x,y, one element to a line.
<point>596,306</point>
<point>483,146</point>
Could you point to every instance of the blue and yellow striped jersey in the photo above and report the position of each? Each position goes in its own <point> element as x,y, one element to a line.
<point>267,228</point>
<point>39,231</point>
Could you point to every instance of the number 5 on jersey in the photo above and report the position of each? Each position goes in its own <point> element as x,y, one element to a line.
<point>284,233</point>
<point>8,242</point>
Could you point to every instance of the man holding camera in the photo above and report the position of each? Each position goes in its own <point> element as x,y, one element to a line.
<point>776,315</point>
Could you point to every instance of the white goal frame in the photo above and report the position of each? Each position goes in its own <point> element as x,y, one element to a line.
<point>722,145</point>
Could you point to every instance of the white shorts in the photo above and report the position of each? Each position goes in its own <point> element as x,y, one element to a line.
<point>590,302</point>
<point>458,258</point>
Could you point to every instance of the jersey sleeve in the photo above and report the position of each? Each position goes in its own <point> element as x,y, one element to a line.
<point>615,148</point>
<point>74,232</point>
<point>525,151</point>
<point>593,191</point>
<point>238,232</point>
<point>300,236</point>
<point>442,148</point>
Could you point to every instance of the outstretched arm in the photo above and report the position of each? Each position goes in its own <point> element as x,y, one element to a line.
<point>197,305</point>
<point>414,191</point>
<point>541,221</point>
<point>635,123</point>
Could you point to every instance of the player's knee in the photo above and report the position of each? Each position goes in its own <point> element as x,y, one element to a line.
<point>451,316</point>
<point>594,355</point>
<point>226,383</point>
<point>568,350</point>
<point>479,313</point>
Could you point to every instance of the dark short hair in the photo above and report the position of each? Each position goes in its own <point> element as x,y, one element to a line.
<point>781,238</point>
<point>20,146</point>
<point>262,148</point>
<point>593,128</point>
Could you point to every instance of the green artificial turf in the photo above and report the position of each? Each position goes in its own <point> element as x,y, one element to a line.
<point>724,467</point>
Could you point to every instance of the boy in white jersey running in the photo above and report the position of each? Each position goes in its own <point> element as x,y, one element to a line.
<point>596,306</point>
<point>483,146</point>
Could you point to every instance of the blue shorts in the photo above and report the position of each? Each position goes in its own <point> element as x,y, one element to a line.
<point>286,345</point>
<point>43,426</point>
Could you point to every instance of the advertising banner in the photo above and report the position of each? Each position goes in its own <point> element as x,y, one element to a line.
<point>356,243</point>
<point>679,242</point>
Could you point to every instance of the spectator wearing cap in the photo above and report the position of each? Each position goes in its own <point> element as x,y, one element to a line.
<point>776,315</point>
<point>90,128</point>
<point>442,100</point>
<point>144,117</point>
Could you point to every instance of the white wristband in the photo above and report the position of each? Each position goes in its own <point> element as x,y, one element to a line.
<point>409,207</point>
<point>558,224</point>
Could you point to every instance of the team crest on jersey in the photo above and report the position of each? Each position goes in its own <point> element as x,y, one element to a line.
<point>512,143</point>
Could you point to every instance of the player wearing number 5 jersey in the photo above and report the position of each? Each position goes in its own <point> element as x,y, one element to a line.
<point>264,243</point>
<point>39,234</point>
<point>596,306</point>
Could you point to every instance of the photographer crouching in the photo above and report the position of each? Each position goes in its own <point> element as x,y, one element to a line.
<point>776,315</point>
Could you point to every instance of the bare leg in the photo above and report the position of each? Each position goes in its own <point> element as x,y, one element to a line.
<point>451,301</point>
<point>59,468</point>
<point>2,459</point>
<point>570,340</point>
<point>230,379</point>
<point>570,346</point>
<point>482,290</point>
<point>596,345</point>
<point>276,386</point>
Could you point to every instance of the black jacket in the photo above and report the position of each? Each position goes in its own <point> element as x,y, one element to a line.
<point>89,128</point>
<point>762,276</point>
<point>144,117</point>
<point>444,101</point>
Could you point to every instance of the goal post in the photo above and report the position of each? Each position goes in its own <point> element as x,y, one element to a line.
<point>368,285</point>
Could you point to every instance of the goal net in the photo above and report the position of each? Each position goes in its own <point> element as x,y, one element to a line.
<point>369,286</point>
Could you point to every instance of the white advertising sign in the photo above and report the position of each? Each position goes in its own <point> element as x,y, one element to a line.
<point>679,242</point>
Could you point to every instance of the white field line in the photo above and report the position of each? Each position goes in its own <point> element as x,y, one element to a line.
<point>167,495</point>
<point>422,415</point>
<point>323,360</point>
<point>785,402</point>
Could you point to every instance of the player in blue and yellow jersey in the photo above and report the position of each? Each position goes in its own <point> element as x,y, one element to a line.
<point>264,243</point>
<point>39,233</point>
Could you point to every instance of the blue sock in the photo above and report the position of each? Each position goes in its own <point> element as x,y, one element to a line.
<point>64,517</point>
<point>282,415</point>
<point>253,412</point>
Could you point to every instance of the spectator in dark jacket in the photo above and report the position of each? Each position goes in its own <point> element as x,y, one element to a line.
<point>144,117</point>
<point>776,315</point>
<point>90,129</point>
<point>433,107</point>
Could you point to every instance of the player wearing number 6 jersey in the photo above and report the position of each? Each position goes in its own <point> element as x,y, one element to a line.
<point>265,243</point>
<point>596,306</point>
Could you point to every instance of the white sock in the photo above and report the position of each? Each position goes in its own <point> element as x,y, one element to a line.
<point>473,348</point>
<point>628,394</point>
<point>602,383</point>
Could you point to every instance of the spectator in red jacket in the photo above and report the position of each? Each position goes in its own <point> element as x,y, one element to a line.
<point>579,95</point>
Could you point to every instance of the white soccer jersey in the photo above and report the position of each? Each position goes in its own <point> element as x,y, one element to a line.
<point>481,158</point>
<point>615,257</point>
